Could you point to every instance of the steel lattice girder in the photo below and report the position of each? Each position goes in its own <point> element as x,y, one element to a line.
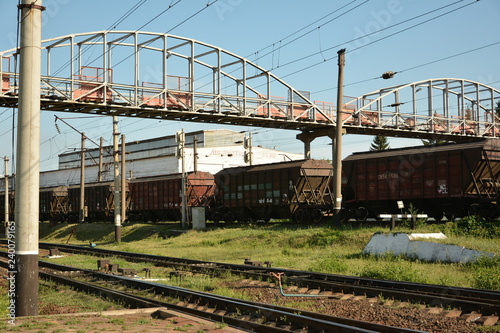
<point>161,76</point>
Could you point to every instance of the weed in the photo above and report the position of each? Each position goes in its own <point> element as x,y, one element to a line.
<point>396,272</point>
<point>486,273</point>
<point>116,321</point>
<point>330,265</point>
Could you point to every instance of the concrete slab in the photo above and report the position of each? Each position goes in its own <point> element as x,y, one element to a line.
<point>402,244</point>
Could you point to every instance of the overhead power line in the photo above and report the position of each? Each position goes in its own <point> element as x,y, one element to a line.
<point>418,66</point>
<point>308,32</point>
<point>375,41</point>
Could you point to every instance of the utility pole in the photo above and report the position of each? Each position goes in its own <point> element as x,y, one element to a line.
<point>101,151</point>
<point>337,158</point>
<point>123,183</point>
<point>180,137</point>
<point>81,215</point>
<point>6,178</point>
<point>247,144</point>
<point>117,197</point>
<point>195,154</point>
<point>28,164</point>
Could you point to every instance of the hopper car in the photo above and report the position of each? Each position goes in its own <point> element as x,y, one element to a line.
<point>159,198</point>
<point>53,204</point>
<point>297,189</point>
<point>99,201</point>
<point>452,180</point>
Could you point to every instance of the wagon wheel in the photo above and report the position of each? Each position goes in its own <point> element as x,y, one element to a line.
<point>437,216</point>
<point>216,218</point>
<point>491,212</point>
<point>345,215</point>
<point>229,217</point>
<point>317,215</point>
<point>300,215</point>
<point>474,209</point>
<point>361,214</point>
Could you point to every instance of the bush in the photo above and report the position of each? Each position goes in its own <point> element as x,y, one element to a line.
<point>486,273</point>
<point>473,226</point>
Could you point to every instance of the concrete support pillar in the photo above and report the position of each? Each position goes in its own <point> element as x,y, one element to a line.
<point>337,157</point>
<point>28,163</point>
<point>306,138</point>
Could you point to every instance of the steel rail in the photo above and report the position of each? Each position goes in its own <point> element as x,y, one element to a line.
<point>433,295</point>
<point>237,313</point>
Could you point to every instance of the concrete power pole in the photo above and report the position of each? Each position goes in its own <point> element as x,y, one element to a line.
<point>337,158</point>
<point>101,150</point>
<point>117,196</point>
<point>123,182</point>
<point>28,163</point>
<point>180,137</point>
<point>6,201</point>
<point>247,144</point>
<point>81,211</point>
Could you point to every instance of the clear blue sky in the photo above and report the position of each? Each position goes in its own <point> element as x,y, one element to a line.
<point>247,26</point>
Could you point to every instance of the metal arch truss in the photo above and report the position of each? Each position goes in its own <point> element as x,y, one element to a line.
<point>452,109</point>
<point>161,76</point>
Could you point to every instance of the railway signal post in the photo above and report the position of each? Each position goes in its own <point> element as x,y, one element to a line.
<point>28,163</point>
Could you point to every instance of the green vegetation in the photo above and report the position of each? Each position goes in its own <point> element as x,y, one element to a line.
<point>290,246</point>
<point>316,248</point>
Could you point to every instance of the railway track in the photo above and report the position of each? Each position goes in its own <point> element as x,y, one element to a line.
<point>246,315</point>
<point>486,302</point>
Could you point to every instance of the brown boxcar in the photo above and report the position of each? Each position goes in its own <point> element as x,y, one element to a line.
<point>99,201</point>
<point>295,189</point>
<point>159,198</point>
<point>454,180</point>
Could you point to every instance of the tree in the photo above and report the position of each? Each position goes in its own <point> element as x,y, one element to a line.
<point>380,142</point>
<point>433,142</point>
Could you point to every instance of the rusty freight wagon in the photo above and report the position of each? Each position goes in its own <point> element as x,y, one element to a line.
<point>54,204</point>
<point>295,189</point>
<point>11,206</point>
<point>99,201</point>
<point>159,198</point>
<point>452,180</point>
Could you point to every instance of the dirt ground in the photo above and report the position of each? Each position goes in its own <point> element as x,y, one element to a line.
<point>130,321</point>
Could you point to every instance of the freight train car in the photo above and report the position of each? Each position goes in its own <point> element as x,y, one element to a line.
<point>11,206</point>
<point>452,180</point>
<point>99,201</point>
<point>159,198</point>
<point>296,189</point>
<point>54,204</point>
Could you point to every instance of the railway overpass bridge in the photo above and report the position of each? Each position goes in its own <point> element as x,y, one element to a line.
<point>161,76</point>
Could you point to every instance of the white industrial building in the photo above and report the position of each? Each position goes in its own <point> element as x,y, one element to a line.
<point>215,149</point>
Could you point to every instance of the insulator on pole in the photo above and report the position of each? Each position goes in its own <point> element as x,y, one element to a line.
<point>388,75</point>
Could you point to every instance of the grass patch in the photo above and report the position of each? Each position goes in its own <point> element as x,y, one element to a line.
<point>315,248</point>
